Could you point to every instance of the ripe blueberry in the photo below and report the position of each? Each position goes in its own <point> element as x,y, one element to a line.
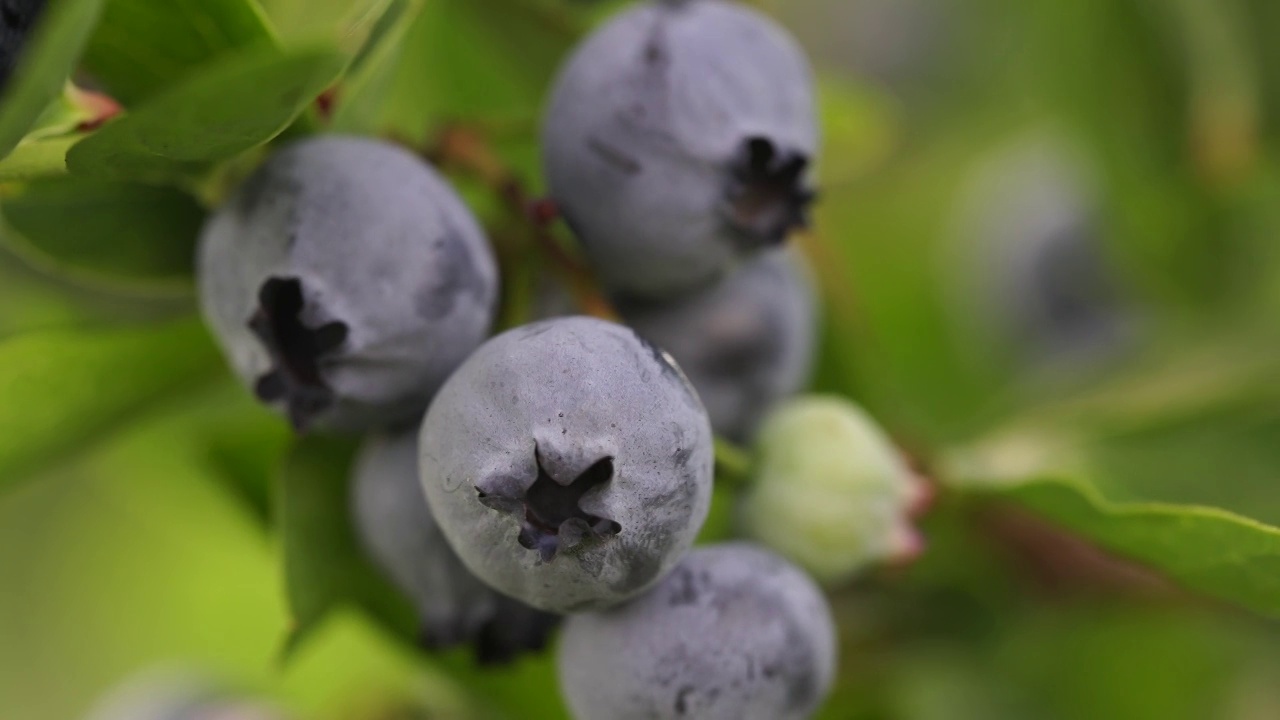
<point>345,280</point>
<point>679,141</point>
<point>399,533</point>
<point>745,343</point>
<point>568,463</point>
<point>733,632</point>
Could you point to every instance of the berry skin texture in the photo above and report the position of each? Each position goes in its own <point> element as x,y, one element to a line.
<point>345,280</point>
<point>568,463</point>
<point>397,530</point>
<point>734,633</point>
<point>679,141</point>
<point>831,491</point>
<point>17,18</point>
<point>745,344</point>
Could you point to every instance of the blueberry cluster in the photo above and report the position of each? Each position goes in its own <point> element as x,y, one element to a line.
<point>565,466</point>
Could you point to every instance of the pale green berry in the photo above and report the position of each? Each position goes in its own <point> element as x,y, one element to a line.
<point>832,493</point>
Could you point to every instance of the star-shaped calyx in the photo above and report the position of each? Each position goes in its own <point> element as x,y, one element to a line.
<point>296,351</point>
<point>767,196</point>
<point>550,511</point>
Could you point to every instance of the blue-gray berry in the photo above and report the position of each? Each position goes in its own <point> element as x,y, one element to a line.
<point>745,344</point>
<point>733,633</point>
<point>17,18</point>
<point>1029,268</point>
<point>678,141</point>
<point>345,280</point>
<point>568,463</point>
<point>397,530</point>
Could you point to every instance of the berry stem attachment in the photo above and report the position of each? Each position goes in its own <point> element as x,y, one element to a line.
<point>466,149</point>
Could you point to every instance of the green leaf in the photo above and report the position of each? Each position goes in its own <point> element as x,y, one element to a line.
<point>488,61</point>
<point>46,63</point>
<point>138,238</point>
<point>246,452</point>
<point>1153,469</point>
<point>233,105</point>
<point>145,46</point>
<point>63,389</point>
<point>1206,549</point>
<point>369,82</point>
<point>345,22</point>
<point>37,159</point>
<point>324,565</point>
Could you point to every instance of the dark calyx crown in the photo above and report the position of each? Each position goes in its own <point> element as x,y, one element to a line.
<point>551,517</point>
<point>296,351</point>
<point>767,196</point>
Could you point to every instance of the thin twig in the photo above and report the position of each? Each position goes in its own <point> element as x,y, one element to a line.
<point>466,149</point>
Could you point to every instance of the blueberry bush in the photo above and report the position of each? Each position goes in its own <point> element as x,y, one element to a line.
<point>932,368</point>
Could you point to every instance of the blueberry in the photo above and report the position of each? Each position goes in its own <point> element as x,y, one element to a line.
<point>568,463</point>
<point>1035,276</point>
<point>345,280</point>
<point>831,491</point>
<point>745,344</point>
<point>679,141</point>
<point>733,632</point>
<point>17,18</point>
<point>397,529</point>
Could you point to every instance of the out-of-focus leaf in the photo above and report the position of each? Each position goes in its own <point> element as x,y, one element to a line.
<point>224,109</point>
<point>142,47</point>
<point>137,540</point>
<point>246,453</point>
<point>138,238</point>
<point>1206,549</point>
<point>37,159</point>
<point>324,565</point>
<point>46,63</point>
<point>62,389</point>
<point>348,23</point>
<point>369,81</point>
<point>860,131</point>
<point>1173,465</point>
<point>521,691</point>
<point>486,61</point>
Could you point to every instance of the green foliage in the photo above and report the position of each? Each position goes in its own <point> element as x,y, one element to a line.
<point>232,105</point>
<point>135,236</point>
<point>46,62</point>
<point>324,566</point>
<point>63,389</point>
<point>144,47</point>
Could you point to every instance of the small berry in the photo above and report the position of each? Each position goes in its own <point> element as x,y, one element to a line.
<point>733,633</point>
<point>17,18</point>
<point>746,343</point>
<point>679,141</point>
<point>831,492</point>
<point>1034,276</point>
<point>345,280</point>
<point>568,463</point>
<point>397,529</point>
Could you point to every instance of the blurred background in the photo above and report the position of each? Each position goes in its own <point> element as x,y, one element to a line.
<point>1034,213</point>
